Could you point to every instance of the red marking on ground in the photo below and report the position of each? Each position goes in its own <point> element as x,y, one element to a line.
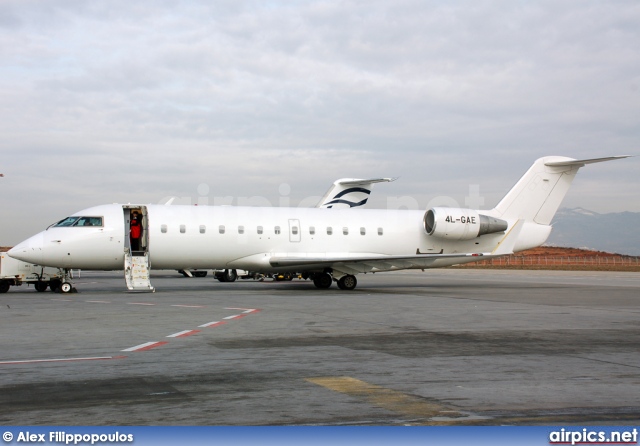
<point>212,324</point>
<point>145,346</point>
<point>149,347</point>
<point>184,334</point>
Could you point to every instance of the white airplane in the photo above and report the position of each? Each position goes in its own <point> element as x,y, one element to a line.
<point>329,245</point>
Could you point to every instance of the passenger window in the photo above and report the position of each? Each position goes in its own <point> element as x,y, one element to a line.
<point>345,230</point>
<point>312,230</point>
<point>221,229</point>
<point>163,229</point>
<point>329,230</point>
<point>203,229</point>
<point>277,230</point>
<point>380,232</point>
<point>260,230</point>
<point>240,229</point>
<point>294,230</point>
<point>363,231</point>
<point>183,229</point>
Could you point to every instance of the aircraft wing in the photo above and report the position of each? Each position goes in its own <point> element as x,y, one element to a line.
<point>373,262</point>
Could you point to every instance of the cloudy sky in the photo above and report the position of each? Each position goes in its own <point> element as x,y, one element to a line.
<point>121,101</point>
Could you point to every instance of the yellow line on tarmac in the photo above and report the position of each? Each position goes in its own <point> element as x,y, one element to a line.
<point>385,398</point>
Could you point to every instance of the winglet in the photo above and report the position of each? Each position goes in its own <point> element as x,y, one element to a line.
<point>349,192</point>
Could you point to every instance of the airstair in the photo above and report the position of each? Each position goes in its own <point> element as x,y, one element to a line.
<point>136,272</point>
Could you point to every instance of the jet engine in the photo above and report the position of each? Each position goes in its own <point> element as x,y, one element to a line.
<point>460,224</point>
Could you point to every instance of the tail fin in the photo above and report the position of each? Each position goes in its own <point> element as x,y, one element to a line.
<point>349,192</point>
<point>538,194</point>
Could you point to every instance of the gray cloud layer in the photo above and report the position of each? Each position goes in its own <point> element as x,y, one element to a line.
<point>134,101</point>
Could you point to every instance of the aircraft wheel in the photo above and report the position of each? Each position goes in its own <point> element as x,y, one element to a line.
<point>230,275</point>
<point>347,282</point>
<point>4,286</point>
<point>54,285</point>
<point>200,274</point>
<point>322,280</point>
<point>41,286</point>
<point>66,287</point>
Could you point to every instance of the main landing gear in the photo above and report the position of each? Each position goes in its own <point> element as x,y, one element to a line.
<point>228,275</point>
<point>324,280</point>
<point>347,282</point>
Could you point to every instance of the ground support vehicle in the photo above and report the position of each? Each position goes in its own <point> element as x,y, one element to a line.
<point>16,272</point>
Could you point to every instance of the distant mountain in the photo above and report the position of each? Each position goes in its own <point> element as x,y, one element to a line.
<point>581,228</point>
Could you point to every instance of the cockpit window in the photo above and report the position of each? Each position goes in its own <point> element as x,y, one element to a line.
<point>69,221</point>
<point>89,221</point>
<point>79,221</point>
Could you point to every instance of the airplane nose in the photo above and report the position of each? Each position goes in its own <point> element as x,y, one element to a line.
<point>29,250</point>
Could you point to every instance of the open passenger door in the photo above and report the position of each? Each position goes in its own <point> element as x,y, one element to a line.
<point>137,263</point>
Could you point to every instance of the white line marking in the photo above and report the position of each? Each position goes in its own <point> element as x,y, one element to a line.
<point>231,317</point>
<point>98,301</point>
<point>33,361</point>
<point>139,303</point>
<point>63,300</point>
<point>209,324</point>
<point>140,347</point>
<point>246,310</point>
<point>188,306</point>
<point>184,333</point>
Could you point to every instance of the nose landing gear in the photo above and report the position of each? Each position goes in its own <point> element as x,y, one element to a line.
<point>66,286</point>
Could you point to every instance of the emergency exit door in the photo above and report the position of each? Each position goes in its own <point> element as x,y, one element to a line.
<point>294,231</point>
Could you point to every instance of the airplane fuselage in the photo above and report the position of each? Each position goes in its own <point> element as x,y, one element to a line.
<point>327,244</point>
<point>218,237</point>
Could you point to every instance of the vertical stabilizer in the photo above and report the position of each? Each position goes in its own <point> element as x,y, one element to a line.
<point>538,194</point>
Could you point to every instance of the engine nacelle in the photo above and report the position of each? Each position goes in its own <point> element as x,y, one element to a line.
<point>460,224</point>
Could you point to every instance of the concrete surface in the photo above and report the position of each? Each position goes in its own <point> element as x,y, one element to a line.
<point>439,347</point>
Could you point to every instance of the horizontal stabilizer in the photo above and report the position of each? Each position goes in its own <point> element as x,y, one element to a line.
<point>581,163</point>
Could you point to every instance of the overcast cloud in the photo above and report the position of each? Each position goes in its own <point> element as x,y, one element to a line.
<point>120,101</point>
